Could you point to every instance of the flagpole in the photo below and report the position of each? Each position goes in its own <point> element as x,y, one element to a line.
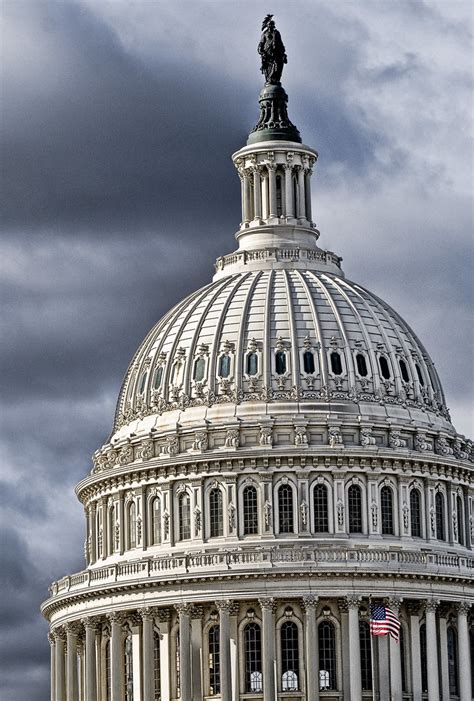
<point>371,650</point>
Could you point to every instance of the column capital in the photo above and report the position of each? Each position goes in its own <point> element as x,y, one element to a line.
<point>267,602</point>
<point>353,601</point>
<point>309,602</point>
<point>462,608</point>
<point>224,605</point>
<point>52,639</point>
<point>59,634</point>
<point>431,605</point>
<point>91,622</point>
<point>148,612</point>
<point>116,617</point>
<point>184,609</point>
<point>73,628</point>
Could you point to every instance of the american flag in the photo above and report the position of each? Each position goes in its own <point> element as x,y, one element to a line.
<point>383,621</point>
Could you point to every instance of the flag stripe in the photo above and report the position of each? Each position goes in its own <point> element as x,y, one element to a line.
<point>383,621</point>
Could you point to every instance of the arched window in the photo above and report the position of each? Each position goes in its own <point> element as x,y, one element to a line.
<point>308,362</point>
<point>252,364</point>
<point>214,661</point>
<point>199,369</point>
<point>354,496</point>
<point>453,671</point>
<point>128,668</point>
<point>111,529</point>
<point>320,503</point>
<point>215,513</point>
<point>289,656</point>
<point>132,525</point>
<point>361,365</point>
<point>156,521</point>
<point>250,510</point>
<point>285,509</point>
<point>327,656</point>
<point>280,363</point>
<point>386,504</point>
<point>108,672</point>
<point>415,513</point>
<point>365,656</point>
<point>184,514</point>
<point>336,363</point>
<point>142,383</point>
<point>404,371</point>
<point>460,510</point>
<point>439,507</point>
<point>224,366</point>
<point>156,666</point>
<point>158,377</point>
<point>253,658</point>
<point>384,367</point>
<point>424,666</point>
<point>420,376</point>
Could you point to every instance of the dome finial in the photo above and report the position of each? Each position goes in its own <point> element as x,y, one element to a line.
<point>272,51</point>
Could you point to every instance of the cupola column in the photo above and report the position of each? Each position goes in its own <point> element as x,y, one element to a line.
<point>268,652</point>
<point>432,649</point>
<point>289,208</point>
<point>246,204</point>
<point>301,206</point>
<point>272,191</point>
<point>307,193</point>
<point>257,194</point>
<point>465,691</point>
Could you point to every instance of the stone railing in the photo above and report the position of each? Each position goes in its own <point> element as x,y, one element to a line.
<point>277,254</point>
<point>263,559</point>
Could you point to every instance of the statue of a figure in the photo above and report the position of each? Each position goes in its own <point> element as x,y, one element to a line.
<point>272,51</point>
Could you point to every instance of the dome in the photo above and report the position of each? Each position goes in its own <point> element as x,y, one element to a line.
<point>307,340</point>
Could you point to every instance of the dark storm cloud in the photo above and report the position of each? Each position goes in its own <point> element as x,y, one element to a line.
<point>119,193</point>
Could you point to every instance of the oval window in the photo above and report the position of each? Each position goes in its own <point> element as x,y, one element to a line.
<point>308,362</point>
<point>404,371</point>
<point>199,369</point>
<point>420,376</point>
<point>336,364</point>
<point>158,377</point>
<point>224,366</point>
<point>280,362</point>
<point>252,364</point>
<point>142,383</point>
<point>384,368</point>
<point>361,365</point>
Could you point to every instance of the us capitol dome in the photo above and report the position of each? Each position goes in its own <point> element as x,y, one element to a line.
<point>282,456</point>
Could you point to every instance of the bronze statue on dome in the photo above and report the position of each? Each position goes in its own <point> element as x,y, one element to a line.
<point>272,51</point>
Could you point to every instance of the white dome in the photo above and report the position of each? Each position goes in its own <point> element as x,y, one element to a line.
<point>244,337</point>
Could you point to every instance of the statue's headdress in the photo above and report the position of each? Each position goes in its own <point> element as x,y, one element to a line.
<point>267,21</point>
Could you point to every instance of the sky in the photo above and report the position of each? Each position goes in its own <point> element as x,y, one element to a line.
<point>118,193</point>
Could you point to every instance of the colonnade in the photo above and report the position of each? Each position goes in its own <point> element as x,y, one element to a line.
<point>77,652</point>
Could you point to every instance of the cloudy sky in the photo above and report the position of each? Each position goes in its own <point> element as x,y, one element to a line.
<point>118,194</point>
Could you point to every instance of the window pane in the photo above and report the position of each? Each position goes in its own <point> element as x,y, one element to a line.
<point>361,365</point>
<point>404,371</point>
<point>308,362</point>
<point>453,661</point>
<point>199,369</point>
<point>253,658</point>
<point>327,656</point>
<point>415,513</point>
<point>132,525</point>
<point>184,517</point>
<point>289,656</point>
<point>250,510</point>
<point>321,516</point>
<point>285,508</point>
<point>460,511</point>
<point>386,500</point>
<point>215,513</point>
<point>420,376</point>
<point>224,366</point>
<point>252,364</point>
<point>280,363</point>
<point>384,367</point>
<point>156,517</point>
<point>355,509</point>
<point>214,661</point>
<point>156,665</point>
<point>424,668</point>
<point>158,377</point>
<point>142,383</point>
<point>336,364</point>
<point>439,503</point>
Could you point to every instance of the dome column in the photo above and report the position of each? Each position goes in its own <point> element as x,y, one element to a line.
<point>90,625</point>
<point>224,608</point>
<point>52,643</point>
<point>272,214</point>
<point>59,665</point>
<point>300,204</point>
<point>148,650</point>
<point>116,655</point>
<point>164,625</point>
<point>257,194</point>
<point>72,686</point>
<point>312,656</point>
<point>353,603</point>
<point>432,649</point>
<point>196,650</point>
<point>395,658</point>
<point>414,611</point>
<point>307,192</point>
<point>268,630</point>
<point>465,691</point>
<point>184,613</point>
<point>289,205</point>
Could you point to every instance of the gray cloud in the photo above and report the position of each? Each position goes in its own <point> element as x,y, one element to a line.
<point>118,194</point>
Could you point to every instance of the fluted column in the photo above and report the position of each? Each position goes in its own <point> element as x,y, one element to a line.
<point>395,657</point>
<point>465,690</point>
<point>52,644</point>
<point>246,204</point>
<point>268,652</point>
<point>414,612</point>
<point>312,657</point>
<point>301,194</point>
<point>289,206</point>
<point>346,677</point>
<point>72,686</point>
<point>59,665</point>
<point>443,650</point>
<point>93,531</point>
<point>164,616</point>
<point>272,191</point>
<point>307,192</point>
<point>224,608</point>
<point>147,616</point>
<point>353,603</point>
<point>116,655</point>
<point>257,194</point>
<point>196,652</point>
<point>184,612</point>
<point>234,655</point>
<point>90,625</point>
<point>432,649</point>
